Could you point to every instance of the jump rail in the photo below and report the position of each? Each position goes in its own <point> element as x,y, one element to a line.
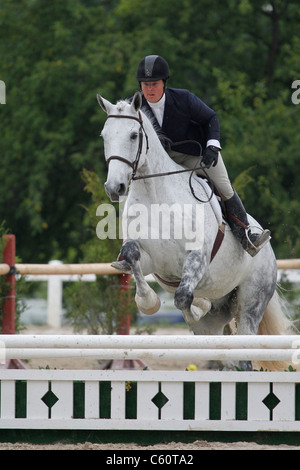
<point>149,400</point>
<point>48,269</point>
<point>97,268</point>
<point>151,342</point>
<point>165,347</point>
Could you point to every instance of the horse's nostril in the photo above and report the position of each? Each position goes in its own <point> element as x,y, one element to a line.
<point>122,189</point>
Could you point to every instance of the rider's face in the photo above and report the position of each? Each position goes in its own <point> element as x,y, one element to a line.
<point>153,91</point>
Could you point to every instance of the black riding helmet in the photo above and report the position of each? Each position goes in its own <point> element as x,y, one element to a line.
<point>152,68</point>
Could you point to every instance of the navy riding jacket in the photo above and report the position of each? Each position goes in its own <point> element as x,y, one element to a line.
<point>187,117</point>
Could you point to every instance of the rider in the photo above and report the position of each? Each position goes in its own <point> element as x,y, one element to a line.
<point>183,116</point>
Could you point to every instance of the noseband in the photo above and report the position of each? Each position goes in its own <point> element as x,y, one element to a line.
<point>135,163</point>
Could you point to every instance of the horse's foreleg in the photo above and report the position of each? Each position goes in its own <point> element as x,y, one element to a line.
<point>146,299</point>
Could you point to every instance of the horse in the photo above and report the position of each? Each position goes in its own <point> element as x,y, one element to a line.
<point>215,282</point>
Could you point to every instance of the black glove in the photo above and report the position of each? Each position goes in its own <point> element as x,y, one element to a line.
<point>210,156</point>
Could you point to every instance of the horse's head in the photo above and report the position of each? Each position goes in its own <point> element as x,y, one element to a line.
<point>123,143</point>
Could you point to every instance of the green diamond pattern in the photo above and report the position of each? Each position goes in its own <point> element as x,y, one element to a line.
<point>160,400</point>
<point>49,399</point>
<point>271,401</point>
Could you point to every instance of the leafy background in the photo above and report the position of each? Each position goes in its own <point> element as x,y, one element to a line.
<point>239,56</point>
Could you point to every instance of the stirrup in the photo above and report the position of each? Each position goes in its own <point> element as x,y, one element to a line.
<point>255,245</point>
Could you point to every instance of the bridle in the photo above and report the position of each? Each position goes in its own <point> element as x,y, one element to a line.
<point>135,163</point>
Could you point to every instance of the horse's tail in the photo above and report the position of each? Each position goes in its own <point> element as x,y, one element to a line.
<point>275,321</point>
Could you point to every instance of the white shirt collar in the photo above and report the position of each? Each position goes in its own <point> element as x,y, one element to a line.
<point>159,103</point>
<point>158,109</point>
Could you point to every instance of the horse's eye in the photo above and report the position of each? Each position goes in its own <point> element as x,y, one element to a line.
<point>133,135</point>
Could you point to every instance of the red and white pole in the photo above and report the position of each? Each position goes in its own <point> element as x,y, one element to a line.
<point>124,320</point>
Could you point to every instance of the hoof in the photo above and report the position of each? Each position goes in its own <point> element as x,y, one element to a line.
<point>197,313</point>
<point>147,310</point>
<point>202,303</point>
<point>121,266</point>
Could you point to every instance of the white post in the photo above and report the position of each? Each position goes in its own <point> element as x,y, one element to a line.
<point>54,298</point>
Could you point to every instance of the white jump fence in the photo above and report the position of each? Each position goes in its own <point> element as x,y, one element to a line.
<point>181,400</point>
<point>148,400</point>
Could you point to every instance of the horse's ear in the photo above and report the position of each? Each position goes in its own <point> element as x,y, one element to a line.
<point>105,105</point>
<point>136,101</point>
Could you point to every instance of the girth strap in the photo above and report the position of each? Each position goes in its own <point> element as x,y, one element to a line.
<point>218,241</point>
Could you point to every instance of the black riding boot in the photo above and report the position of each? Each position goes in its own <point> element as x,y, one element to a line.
<point>238,222</point>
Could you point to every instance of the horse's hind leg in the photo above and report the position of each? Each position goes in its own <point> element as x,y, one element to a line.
<point>249,305</point>
<point>146,299</point>
<point>213,323</point>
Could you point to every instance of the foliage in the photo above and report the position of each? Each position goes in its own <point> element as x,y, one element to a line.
<point>240,56</point>
<point>95,249</point>
<point>99,307</point>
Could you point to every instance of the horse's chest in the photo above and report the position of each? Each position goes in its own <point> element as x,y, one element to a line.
<point>165,258</point>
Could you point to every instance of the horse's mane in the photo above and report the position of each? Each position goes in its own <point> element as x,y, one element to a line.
<point>148,113</point>
<point>145,110</point>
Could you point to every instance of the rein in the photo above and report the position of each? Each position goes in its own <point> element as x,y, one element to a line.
<point>135,163</point>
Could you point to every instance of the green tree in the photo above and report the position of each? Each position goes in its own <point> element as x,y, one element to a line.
<point>240,56</point>
<point>48,134</point>
<point>101,306</point>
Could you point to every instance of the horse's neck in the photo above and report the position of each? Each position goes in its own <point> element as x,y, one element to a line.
<point>162,188</point>
<point>158,162</point>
